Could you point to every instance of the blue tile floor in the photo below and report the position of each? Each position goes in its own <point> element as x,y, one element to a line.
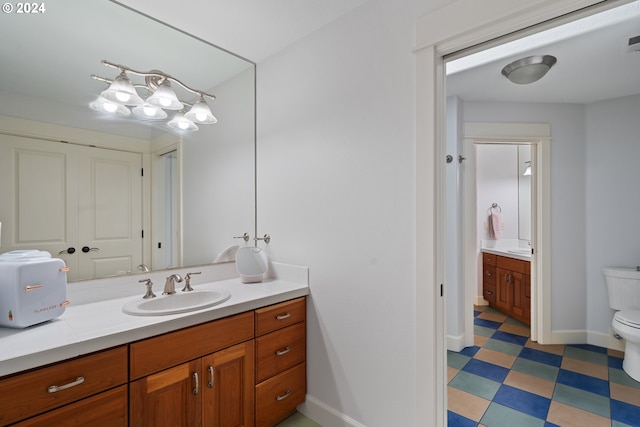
<point>506,380</point>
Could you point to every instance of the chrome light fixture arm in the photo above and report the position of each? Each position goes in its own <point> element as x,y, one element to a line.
<point>160,77</point>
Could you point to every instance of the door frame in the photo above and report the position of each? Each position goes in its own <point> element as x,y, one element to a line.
<point>538,136</point>
<point>461,25</point>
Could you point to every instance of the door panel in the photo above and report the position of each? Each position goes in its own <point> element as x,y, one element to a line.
<point>59,196</point>
<point>110,224</point>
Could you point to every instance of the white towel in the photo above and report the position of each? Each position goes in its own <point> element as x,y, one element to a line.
<point>495,224</point>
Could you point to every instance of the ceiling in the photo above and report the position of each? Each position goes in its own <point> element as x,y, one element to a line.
<point>253,29</point>
<point>593,63</point>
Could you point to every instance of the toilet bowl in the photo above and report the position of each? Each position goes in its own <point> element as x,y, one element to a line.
<point>626,323</point>
<point>623,287</point>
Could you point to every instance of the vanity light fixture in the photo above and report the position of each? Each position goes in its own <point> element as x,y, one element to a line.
<point>122,94</point>
<point>529,70</point>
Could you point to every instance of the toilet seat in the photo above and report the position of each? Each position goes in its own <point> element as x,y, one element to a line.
<point>629,318</point>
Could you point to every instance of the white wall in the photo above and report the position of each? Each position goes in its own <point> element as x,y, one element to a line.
<point>497,182</point>
<point>336,119</point>
<point>454,222</point>
<point>568,192</point>
<point>218,179</point>
<point>612,199</point>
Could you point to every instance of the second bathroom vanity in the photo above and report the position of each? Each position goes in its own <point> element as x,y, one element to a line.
<point>506,283</point>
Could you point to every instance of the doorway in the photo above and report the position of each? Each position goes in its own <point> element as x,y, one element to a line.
<point>519,230</point>
<point>435,42</point>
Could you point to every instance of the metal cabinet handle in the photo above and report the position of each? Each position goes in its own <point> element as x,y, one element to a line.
<point>489,293</point>
<point>284,351</point>
<point>488,273</point>
<point>196,389</point>
<point>56,388</point>
<point>210,383</point>
<point>284,396</point>
<point>283,316</point>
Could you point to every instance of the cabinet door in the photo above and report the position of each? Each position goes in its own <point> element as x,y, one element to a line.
<point>522,297</point>
<point>171,398</point>
<point>228,387</point>
<point>504,290</point>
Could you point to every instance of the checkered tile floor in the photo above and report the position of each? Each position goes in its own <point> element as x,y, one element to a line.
<point>507,380</point>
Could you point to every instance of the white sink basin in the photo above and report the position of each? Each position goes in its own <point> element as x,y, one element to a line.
<point>180,302</point>
<point>520,251</point>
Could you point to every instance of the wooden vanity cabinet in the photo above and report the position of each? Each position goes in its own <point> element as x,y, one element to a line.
<point>508,289</point>
<point>281,383</point>
<point>85,391</point>
<point>489,290</point>
<point>240,371</point>
<point>211,386</point>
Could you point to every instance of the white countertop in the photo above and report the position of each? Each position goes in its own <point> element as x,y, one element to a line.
<point>512,248</point>
<point>97,324</point>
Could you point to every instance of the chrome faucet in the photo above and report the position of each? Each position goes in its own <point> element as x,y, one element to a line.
<point>187,282</point>
<point>170,284</point>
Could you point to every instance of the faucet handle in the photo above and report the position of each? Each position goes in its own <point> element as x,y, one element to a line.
<point>187,281</point>
<point>149,285</point>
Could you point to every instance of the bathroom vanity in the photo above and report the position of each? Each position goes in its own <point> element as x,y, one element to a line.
<point>239,363</point>
<point>506,284</point>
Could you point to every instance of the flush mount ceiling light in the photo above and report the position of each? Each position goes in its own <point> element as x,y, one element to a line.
<point>529,70</point>
<point>122,94</point>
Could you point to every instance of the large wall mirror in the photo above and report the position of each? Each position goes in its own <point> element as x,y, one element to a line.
<point>114,194</point>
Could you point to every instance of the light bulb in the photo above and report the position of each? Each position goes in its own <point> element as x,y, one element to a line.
<point>109,107</point>
<point>123,97</point>
<point>149,111</point>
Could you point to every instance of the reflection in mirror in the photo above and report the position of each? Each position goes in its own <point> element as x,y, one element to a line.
<point>115,194</point>
<point>524,192</point>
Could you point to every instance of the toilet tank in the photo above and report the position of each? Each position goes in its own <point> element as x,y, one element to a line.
<point>623,287</point>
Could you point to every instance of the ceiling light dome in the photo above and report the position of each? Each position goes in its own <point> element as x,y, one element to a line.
<point>165,97</point>
<point>180,122</point>
<point>529,70</point>
<point>106,106</point>
<point>121,91</point>
<point>151,112</point>
<point>201,113</point>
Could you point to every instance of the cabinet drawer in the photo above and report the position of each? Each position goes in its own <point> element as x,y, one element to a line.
<point>279,396</point>
<point>489,258</point>
<point>278,316</point>
<point>173,348</point>
<point>30,393</point>
<point>280,350</point>
<point>105,409</point>
<point>489,293</point>
<point>513,264</point>
<point>489,274</point>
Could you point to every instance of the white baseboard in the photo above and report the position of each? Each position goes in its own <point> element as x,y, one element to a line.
<point>479,301</point>
<point>326,415</point>
<point>455,343</point>
<point>581,337</point>
<point>606,340</point>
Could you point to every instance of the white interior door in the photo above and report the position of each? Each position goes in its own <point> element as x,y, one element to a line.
<point>110,213</point>
<point>62,198</point>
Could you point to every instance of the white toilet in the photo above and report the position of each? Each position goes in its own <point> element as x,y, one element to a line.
<point>623,286</point>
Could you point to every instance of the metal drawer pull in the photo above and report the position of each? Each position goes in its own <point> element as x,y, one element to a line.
<point>284,351</point>
<point>284,396</point>
<point>283,316</point>
<point>195,379</point>
<point>210,383</point>
<point>56,388</point>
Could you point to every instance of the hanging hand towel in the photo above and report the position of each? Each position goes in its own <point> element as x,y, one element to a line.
<point>495,224</point>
